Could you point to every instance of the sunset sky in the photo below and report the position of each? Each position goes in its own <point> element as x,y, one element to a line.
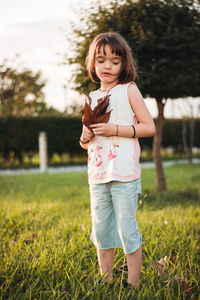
<point>37,31</point>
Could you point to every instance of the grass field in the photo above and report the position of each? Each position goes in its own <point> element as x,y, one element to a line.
<point>46,252</point>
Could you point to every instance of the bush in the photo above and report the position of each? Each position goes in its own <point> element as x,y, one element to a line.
<point>19,136</point>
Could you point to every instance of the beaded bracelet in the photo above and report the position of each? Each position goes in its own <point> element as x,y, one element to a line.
<point>134,134</point>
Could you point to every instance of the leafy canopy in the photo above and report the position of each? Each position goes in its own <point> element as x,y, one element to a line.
<point>21,92</point>
<point>164,35</point>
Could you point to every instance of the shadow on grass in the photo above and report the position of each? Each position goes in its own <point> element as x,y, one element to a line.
<point>154,200</point>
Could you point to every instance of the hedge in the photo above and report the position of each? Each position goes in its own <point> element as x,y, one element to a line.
<point>20,135</point>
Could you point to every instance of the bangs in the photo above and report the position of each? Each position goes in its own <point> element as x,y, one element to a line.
<point>119,47</point>
<point>114,45</point>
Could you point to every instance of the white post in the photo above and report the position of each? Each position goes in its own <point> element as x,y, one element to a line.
<point>43,151</point>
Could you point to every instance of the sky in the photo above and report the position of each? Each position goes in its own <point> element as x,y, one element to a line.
<point>37,31</point>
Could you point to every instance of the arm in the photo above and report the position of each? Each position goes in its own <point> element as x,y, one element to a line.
<point>144,128</point>
<point>85,137</point>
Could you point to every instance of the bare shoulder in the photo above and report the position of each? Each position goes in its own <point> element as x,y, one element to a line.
<point>134,93</point>
<point>91,93</point>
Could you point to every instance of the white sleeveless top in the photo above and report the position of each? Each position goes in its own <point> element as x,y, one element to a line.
<point>114,158</point>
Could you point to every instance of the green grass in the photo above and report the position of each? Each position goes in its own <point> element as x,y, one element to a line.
<point>46,252</point>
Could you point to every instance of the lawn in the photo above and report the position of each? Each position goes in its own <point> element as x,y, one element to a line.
<point>46,252</point>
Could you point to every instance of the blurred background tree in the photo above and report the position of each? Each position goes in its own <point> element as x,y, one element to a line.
<point>165,37</point>
<point>21,93</point>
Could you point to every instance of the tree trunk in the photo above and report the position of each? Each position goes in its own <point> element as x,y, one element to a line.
<point>161,182</point>
<point>184,135</point>
<point>191,141</point>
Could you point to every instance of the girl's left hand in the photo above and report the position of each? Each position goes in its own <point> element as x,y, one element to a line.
<point>104,129</point>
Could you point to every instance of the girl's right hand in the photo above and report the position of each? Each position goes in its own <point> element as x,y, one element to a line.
<point>86,135</point>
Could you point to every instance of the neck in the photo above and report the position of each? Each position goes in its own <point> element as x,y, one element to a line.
<point>107,87</point>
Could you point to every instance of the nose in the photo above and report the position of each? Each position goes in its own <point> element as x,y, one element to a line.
<point>107,64</point>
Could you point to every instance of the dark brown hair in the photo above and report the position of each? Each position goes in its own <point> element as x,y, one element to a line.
<point>119,47</point>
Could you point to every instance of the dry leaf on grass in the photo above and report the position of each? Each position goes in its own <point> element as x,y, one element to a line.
<point>173,258</point>
<point>160,264</point>
<point>164,263</point>
<point>185,286</point>
<point>161,267</point>
<point>14,241</point>
<point>30,238</point>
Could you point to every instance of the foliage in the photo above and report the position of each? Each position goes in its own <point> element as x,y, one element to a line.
<point>165,36</point>
<point>46,252</point>
<point>19,136</point>
<point>21,92</point>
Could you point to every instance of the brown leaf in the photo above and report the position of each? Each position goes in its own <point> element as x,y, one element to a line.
<point>160,264</point>
<point>184,285</point>
<point>100,100</point>
<point>98,115</point>
<point>101,107</point>
<point>30,238</point>
<point>90,99</point>
<point>173,259</point>
<point>87,115</point>
<point>14,241</point>
<point>159,268</point>
<point>104,118</point>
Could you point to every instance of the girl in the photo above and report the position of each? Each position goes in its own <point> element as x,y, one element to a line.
<point>113,154</point>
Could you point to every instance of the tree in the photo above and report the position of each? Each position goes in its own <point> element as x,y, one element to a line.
<point>190,114</point>
<point>20,92</point>
<point>165,36</point>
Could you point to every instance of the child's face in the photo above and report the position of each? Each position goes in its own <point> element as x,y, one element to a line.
<point>107,66</point>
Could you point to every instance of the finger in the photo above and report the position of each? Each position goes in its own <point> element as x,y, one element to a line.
<point>96,125</point>
<point>88,131</point>
<point>90,135</point>
<point>96,132</point>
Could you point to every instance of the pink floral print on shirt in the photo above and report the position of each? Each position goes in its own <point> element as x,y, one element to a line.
<point>98,157</point>
<point>112,154</point>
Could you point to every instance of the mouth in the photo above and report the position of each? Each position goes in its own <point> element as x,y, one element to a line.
<point>106,74</point>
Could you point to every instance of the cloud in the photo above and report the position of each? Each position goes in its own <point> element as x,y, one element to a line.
<point>38,44</point>
<point>38,41</point>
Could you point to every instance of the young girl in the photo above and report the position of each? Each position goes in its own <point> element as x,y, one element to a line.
<point>113,154</point>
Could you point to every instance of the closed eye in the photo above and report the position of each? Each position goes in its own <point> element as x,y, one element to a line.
<point>100,61</point>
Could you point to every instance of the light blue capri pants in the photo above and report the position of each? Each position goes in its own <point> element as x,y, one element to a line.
<point>113,211</point>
